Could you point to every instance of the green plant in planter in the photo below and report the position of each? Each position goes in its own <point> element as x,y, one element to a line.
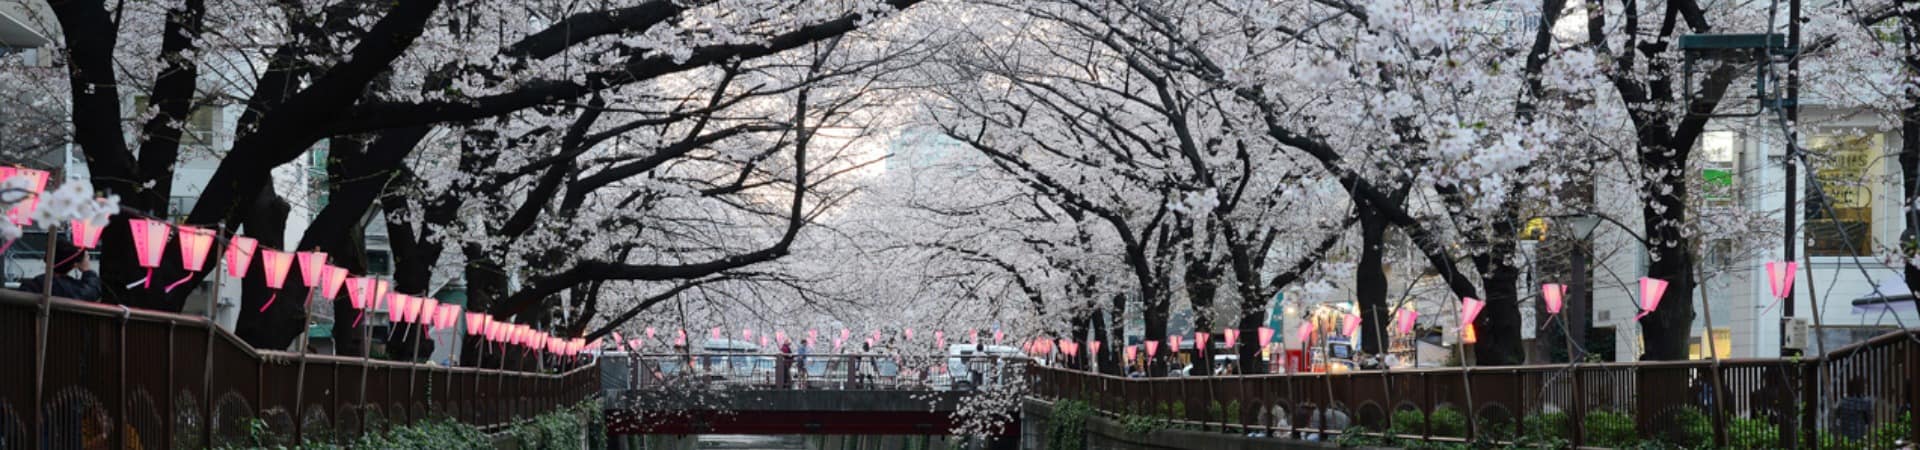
<point>1752,433</point>
<point>1546,427</point>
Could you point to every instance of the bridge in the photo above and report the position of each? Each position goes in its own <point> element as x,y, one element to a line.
<point>821,394</point>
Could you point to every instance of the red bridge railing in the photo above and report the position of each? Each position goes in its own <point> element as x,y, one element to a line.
<point>1854,397</point>
<point>128,378</point>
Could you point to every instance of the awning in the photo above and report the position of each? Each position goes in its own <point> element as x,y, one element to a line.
<point>1891,295</point>
<point>15,33</point>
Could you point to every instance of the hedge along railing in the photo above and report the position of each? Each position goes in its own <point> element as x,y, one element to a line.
<point>1739,402</point>
<point>127,378</point>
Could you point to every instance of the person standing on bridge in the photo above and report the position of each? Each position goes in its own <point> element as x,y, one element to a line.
<point>781,376</point>
<point>70,258</point>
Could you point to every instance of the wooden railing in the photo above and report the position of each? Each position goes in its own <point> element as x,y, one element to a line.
<point>128,378</point>
<point>1853,397</point>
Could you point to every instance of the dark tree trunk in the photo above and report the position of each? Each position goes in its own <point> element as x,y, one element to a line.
<point>281,322</point>
<point>1669,329</point>
<point>1910,150</point>
<point>1201,290</point>
<point>1498,328</point>
<point>1111,343</point>
<point>1249,346</point>
<point>1370,280</point>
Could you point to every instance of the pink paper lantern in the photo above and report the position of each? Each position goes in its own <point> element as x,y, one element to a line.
<point>1173,343</point>
<point>1062,344</point>
<point>780,336</point>
<point>973,337</point>
<point>1407,316</point>
<point>1153,347</point>
<point>846,334</point>
<point>85,233</point>
<point>1780,277</point>
<point>331,277</point>
<point>940,339</point>
<point>149,244</point>
<point>311,266</point>
<point>813,335</point>
<point>714,333</point>
<point>382,290</point>
<point>619,342</point>
<point>1266,335</point>
<point>397,306</point>
<point>746,334</point>
<point>275,263</point>
<point>475,320</point>
<point>837,343</point>
<point>1200,341</point>
<point>1351,325</point>
<point>1555,295</point>
<point>1130,352</point>
<point>21,213</point>
<point>997,336</point>
<point>680,340</point>
<point>194,244</point>
<point>1651,289</point>
<point>649,333</point>
<point>1093,347</point>
<point>449,316</point>
<point>239,255</point>
<point>909,333</point>
<point>358,290</point>
<point>422,310</point>
<point>636,344</point>
<point>1305,335</point>
<point>1232,335</point>
<point>764,342</point>
<point>1470,309</point>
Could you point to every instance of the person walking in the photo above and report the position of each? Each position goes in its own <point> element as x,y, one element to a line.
<point>781,377</point>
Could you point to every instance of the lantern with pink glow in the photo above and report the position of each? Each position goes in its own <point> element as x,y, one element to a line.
<point>312,266</point>
<point>85,233</point>
<point>149,245</point>
<point>449,314</point>
<point>1093,347</point>
<point>1555,295</point>
<point>1062,344</point>
<point>813,335</point>
<point>619,342</point>
<point>649,333</point>
<point>1265,335</point>
<point>1130,352</point>
<point>358,289</point>
<point>714,334</point>
<point>382,290</point>
<point>1231,336</point>
<point>939,339</point>
<point>1153,347</point>
<point>1651,289</point>
<point>1351,326</point>
<point>780,336</point>
<point>275,263</point>
<point>997,336</point>
<point>680,339</point>
<point>422,312</point>
<point>1173,343</point>
<point>1470,309</point>
<point>331,278</point>
<point>239,255</point>
<point>477,320</point>
<point>1780,281</point>
<point>1305,335</point>
<point>973,337</point>
<point>837,343</point>
<point>397,306</point>
<point>636,344</point>
<point>1407,316</point>
<point>194,244</point>
<point>1200,342</point>
<point>909,333</point>
<point>746,334</point>
<point>21,212</point>
<point>846,334</point>
<point>764,342</point>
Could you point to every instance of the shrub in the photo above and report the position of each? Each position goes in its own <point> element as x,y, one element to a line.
<point>1067,426</point>
<point>1687,427</point>
<point>1546,427</point>
<point>1224,414</point>
<point>1609,429</point>
<point>1752,433</point>
<point>1407,422</point>
<point>1449,422</point>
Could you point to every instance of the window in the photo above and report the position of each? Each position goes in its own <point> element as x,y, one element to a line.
<point>379,262</point>
<point>1722,344</point>
<point>1847,170</point>
<point>200,125</point>
<point>1720,167</point>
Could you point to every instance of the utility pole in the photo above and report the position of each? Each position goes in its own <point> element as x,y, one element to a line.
<point>1792,105</point>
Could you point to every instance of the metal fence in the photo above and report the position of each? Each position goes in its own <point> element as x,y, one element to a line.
<point>127,378</point>
<point>1854,397</point>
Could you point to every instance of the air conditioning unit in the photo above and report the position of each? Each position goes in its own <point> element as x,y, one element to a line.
<point>1796,337</point>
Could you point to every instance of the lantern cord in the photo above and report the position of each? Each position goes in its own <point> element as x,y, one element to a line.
<point>270,299</point>
<point>183,280</point>
<point>3,248</point>
<point>144,282</point>
<point>356,319</point>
